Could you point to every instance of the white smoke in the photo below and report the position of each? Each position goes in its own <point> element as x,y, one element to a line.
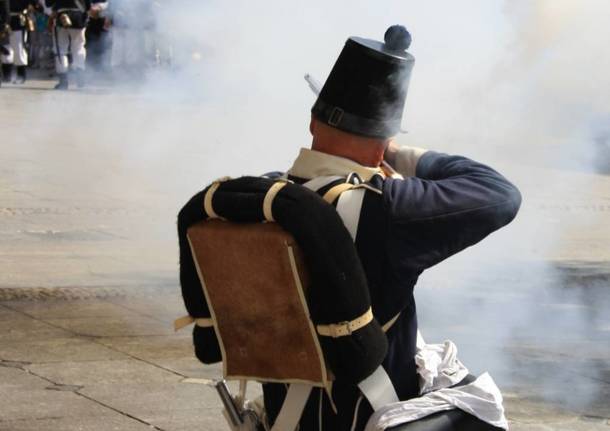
<point>521,85</point>
<point>527,302</point>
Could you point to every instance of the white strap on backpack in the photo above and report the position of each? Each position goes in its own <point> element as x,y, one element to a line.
<point>377,388</point>
<point>292,409</point>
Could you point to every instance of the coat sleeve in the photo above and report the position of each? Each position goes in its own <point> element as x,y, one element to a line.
<point>451,203</point>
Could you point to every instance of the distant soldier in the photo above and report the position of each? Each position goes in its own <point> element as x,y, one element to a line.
<point>4,13</point>
<point>4,29</point>
<point>41,49</point>
<point>5,33</point>
<point>98,41</point>
<point>70,22</point>
<point>15,52</point>
<point>4,25</point>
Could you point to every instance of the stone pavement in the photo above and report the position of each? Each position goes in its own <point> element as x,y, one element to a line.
<point>111,361</point>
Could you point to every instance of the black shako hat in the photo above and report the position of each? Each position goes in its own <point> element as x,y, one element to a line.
<point>366,90</point>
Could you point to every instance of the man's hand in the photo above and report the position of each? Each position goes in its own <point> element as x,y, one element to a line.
<point>403,159</point>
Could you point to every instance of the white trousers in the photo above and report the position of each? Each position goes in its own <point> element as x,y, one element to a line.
<point>16,47</point>
<point>69,41</point>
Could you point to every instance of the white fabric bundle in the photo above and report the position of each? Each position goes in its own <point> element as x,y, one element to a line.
<point>439,368</point>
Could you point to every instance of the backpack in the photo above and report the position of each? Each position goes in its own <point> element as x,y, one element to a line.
<point>272,280</point>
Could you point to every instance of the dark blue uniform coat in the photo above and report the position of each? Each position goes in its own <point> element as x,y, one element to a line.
<point>449,203</point>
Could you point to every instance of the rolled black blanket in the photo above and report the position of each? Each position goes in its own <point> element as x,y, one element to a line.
<point>338,290</point>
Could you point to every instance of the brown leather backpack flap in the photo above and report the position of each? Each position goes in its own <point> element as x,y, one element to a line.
<point>254,280</point>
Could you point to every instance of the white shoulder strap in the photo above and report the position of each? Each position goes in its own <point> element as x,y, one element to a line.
<point>349,207</point>
<point>292,409</point>
<point>378,389</point>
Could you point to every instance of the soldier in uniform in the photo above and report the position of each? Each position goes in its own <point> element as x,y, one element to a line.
<point>4,28</point>
<point>70,23</point>
<point>423,208</point>
<point>4,31</point>
<point>406,209</point>
<point>98,41</point>
<point>15,53</point>
<point>4,13</point>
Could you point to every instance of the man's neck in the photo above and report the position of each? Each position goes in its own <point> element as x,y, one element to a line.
<point>312,164</point>
<point>365,156</point>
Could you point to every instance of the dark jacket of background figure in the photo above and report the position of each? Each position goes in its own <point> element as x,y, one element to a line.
<point>4,13</point>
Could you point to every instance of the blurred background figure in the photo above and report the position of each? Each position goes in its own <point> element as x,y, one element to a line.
<point>70,18</point>
<point>4,14</point>
<point>4,30</point>
<point>98,38</point>
<point>127,39</point>
<point>160,48</point>
<point>157,48</point>
<point>118,39</point>
<point>15,54</point>
<point>134,44</point>
<point>41,47</point>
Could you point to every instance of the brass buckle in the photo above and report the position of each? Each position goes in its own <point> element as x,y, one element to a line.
<point>335,116</point>
<point>337,327</point>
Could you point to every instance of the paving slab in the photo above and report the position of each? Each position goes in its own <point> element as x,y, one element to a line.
<point>29,329</point>
<point>113,326</point>
<point>525,414</point>
<point>57,349</point>
<point>574,424</point>
<point>61,309</point>
<point>190,366</point>
<point>190,420</point>
<point>133,387</point>
<point>115,422</point>
<point>6,314</point>
<point>169,302</point>
<point>24,396</point>
<point>145,400</point>
<point>95,373</point>
<point>152,348</point>
<point>165,307</point>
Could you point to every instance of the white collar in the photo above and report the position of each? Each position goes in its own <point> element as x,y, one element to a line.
<point>311,164</point>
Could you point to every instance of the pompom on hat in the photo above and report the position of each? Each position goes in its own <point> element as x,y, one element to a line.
<point>397,38</point>
<point>366,90</point>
